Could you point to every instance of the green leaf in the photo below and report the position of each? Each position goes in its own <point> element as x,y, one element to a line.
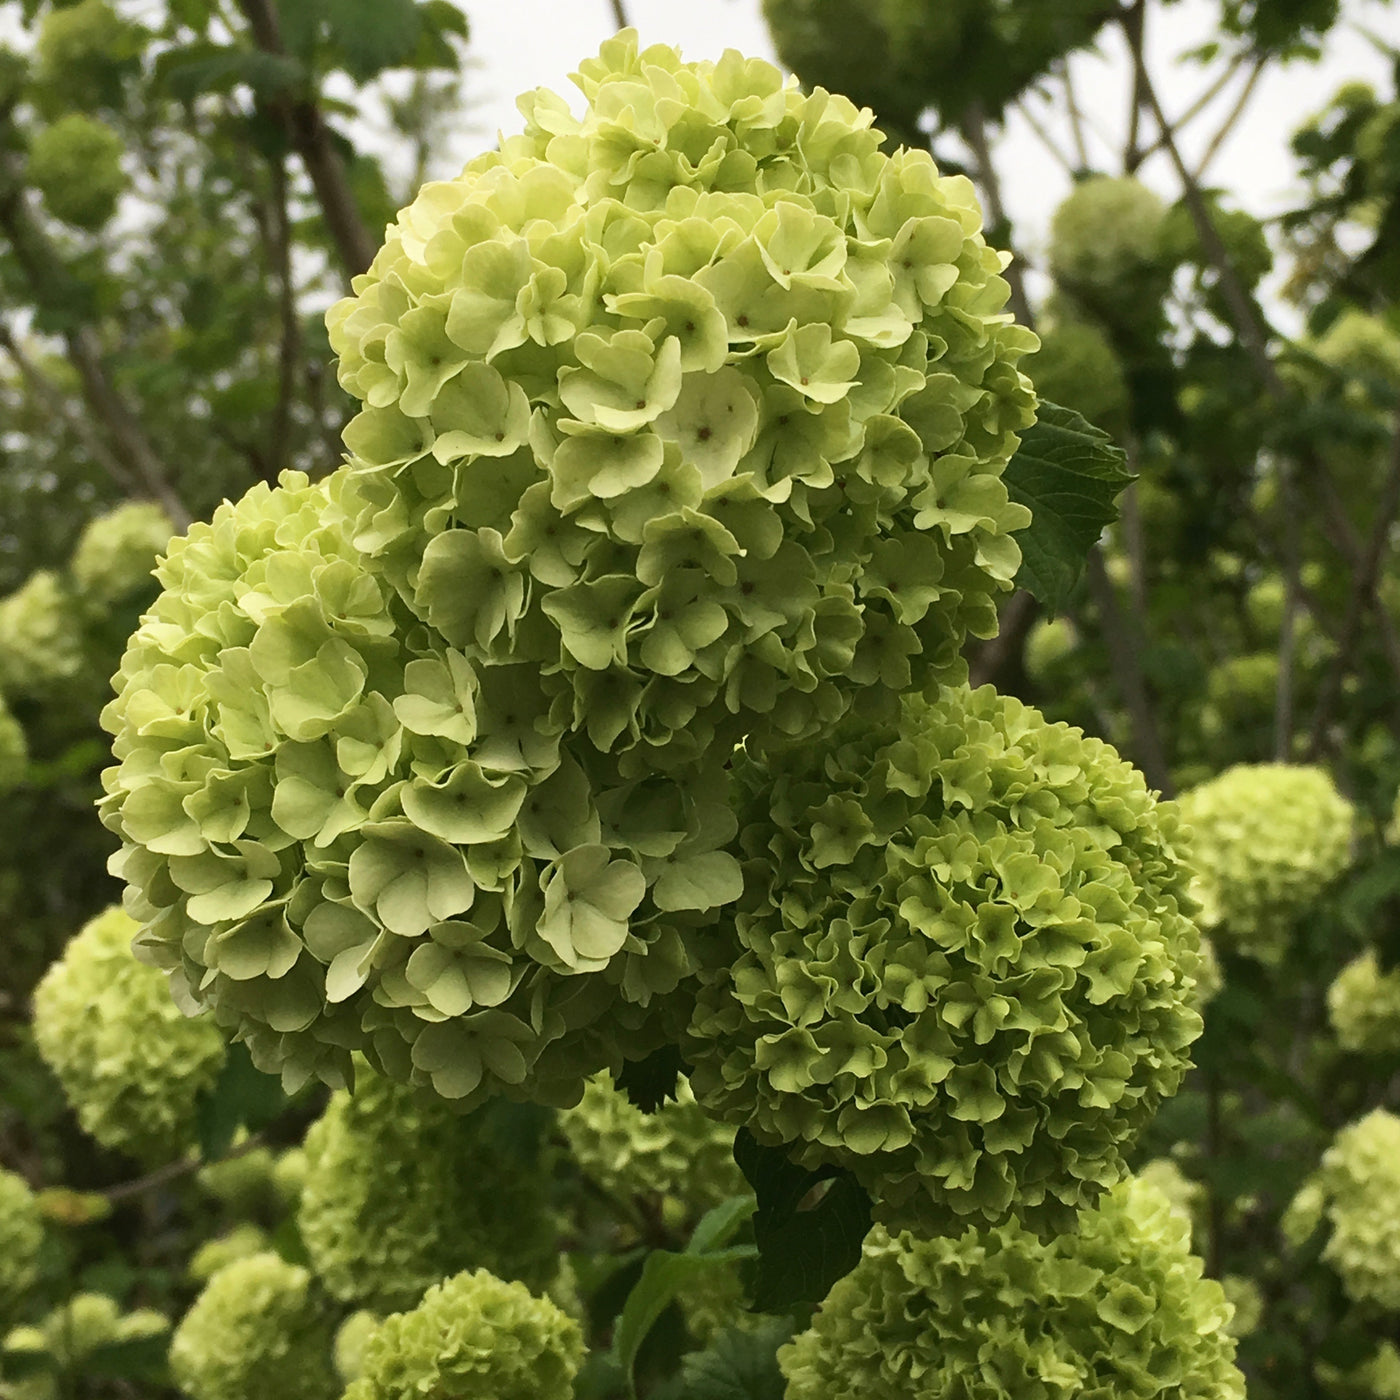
<point>1069,473</point>
<point>135,1358</point>
<point>204,67</point>
<point>242,1097</point>
<point>737,1365</point>
<point>663,1276</point>
<point>373,34</point>
<point>805,1242</point>
<point>650,1082</point>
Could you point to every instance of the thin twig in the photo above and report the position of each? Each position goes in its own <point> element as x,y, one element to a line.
<point>1076,124</point>
<point>1132,158</point>
<point>127,440</point>
<point>173,1171</point>
<point>1288,624</point>
<point>1232,117</point>
<point>1128,673</point>
<point>1194,109</point>
<point>620,14</point>
<point>310,137</point>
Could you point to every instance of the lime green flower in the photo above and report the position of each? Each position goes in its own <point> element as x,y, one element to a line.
<point>400,1192</point>
<point>1268,837</point>
<point>1188,1198</point>
<point>961,968</point>
<point>1363,1004</point>
<point>1354,1193</point>
<point>351,1338</point>
<point>1245,1297</point>
<point>256,1329</point>
<point>472,1335</point>
<point>650,394</point>
<point>87,1321</point>
<point>76,165</point>
<point>243,1182</point>
<point>1104,242</point>
<point>241,1242</point>
<point>116,553</point>
<point>130,1063</point>
<point>1120,1308</point>
<point>41,644</point>
<point>21,1237</point>
<point>677,1151</point>
<point>1077,366</point>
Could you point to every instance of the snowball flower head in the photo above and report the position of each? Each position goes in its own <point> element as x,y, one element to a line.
<point>401,1192</point>
<point>116,552</point>
<point>677,1151</point>
<point>1363,1005</point>
<point>1119,1309</point>
<point>41,644</point>
<point>341,833</point>
<point>130,1063</point>
<point>962,966</point>
<point>256,1329</point>
<point>695,408</point>
<point>472,1335</point>
<point>1104,236</point>
<point>1267,837</point>
<point>1355,1192</point>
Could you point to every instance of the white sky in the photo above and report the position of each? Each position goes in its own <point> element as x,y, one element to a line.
<point>522,44</point>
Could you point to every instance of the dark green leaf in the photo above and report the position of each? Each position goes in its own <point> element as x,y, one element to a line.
<point>242,1097</point>
<point>663,1276</point>
<point>719,1225</point>
<point>138,1358</point>
<point>737,1365</point>
<point>651,1082</point>
<point>373,34</point>
<point>1069,473</point>
<point>806,1239</point>
<point>187,72</point>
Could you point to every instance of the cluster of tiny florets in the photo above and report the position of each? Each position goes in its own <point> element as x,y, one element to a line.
<point>131,1064</point>
<point>116,553</point>
<point>1355,1193</point>
<point>1267,839</point>
<point>41,641</point>
<point>1363,1005</point>
<point>401,1192</point>
<point>257,1329</point>
<point>472,1335</point>
<point>1120,1308</point>
<point>677,1151</point>
<point>962,967</point>
<point>21,1238</point>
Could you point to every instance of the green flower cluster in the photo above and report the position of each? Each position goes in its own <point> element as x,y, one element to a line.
<point>82,1325</point>
<point>21,1238</point>
<point>131,1065</point>
<point>1188,1198</point>
<point>76,164</point>
<point>961,968</point>
<point>244,1240</point>
<point>1376,1378</point>
<point>1119,1309</point>
<point>1363,1005</point>
<point>695,409</point>
<point>677,1151</point>
<point>683,424</point>
<point>1267,838</point>
<point>473,1335</point>
<point>400,1193</point>
<point>341,833</point>
<point>116,552</point>
<point>1355,1192</point>
<point>41,641</point>
<point>14,748</point>
<point>1104,242</point>
<point>351,1338</point>
<point>256,1329</point>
